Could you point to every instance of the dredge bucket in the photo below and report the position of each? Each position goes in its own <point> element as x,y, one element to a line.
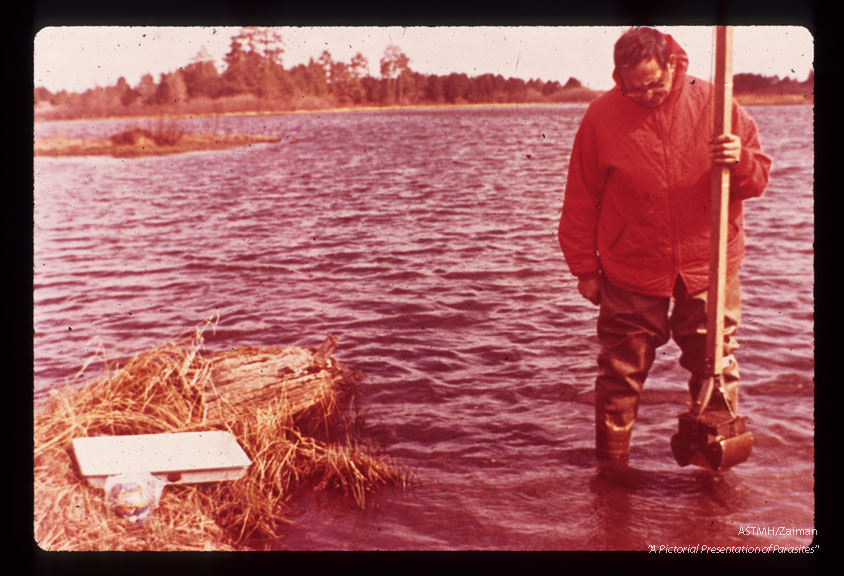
<point>715,440</point>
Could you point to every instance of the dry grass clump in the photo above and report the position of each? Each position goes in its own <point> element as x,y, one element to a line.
<point>165,134</point>
<point>139,137</point>
<point>294,446</point>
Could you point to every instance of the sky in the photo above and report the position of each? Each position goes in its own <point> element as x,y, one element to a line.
<point>78,58</point>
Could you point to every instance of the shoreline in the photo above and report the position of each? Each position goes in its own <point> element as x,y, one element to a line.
<point>761,99</point>
<point>194,142</point>
<point>328,110</point>
<point>743,99</point>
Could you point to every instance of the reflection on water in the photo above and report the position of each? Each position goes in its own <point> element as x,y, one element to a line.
<point>426,242</point>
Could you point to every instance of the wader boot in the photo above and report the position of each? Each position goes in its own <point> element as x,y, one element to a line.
<point>630,329</point>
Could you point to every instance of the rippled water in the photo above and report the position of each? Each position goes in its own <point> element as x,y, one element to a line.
<point>426,242</point>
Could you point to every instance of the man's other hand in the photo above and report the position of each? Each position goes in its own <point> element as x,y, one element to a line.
<point>590,288</point>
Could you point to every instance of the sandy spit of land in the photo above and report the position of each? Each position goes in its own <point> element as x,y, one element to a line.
<point>146,146</point>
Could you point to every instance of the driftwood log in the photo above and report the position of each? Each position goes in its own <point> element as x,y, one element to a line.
<point>247,377</point>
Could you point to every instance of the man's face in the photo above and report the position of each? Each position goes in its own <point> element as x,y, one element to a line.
<point>648,84</point>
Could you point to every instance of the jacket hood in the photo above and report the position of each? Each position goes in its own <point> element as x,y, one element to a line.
<point>673,49</point>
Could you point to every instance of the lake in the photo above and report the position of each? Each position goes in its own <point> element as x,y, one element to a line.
<point>425,240</point>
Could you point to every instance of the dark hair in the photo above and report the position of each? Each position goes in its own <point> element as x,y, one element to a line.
<point>640,45</point>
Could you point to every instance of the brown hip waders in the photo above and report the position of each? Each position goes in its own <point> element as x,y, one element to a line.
<point>631,327</point>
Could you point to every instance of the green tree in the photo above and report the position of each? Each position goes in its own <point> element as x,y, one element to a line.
<point>372,88</point>
<point>60,98</point>
<point>253,63</point>
<point>146,89</point>
<point>101,101</point>
<point>572,83</point>
<point>455,87</point>
<point>550,87</point>
<point>271,45</point>
<point>171,89</point>
<point>395,69</point>
<point>745,82</point>
<point>298,80</point>
<point>358,69</point>
<point>125,93</point>
<point>41,95</point>
<point>434,91</point>
<point>316,77</point>
<point>341,82</point>
<point>515,88</point>
<point>201,76</point>
<point>482,89</point>
<point>271,81</point>
<point>359,66</point>
<point>234,77</point>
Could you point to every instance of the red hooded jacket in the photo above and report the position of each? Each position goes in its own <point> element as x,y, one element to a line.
<point>637,198</point>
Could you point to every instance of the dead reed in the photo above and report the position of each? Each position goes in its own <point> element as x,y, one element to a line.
<point>296,445</point>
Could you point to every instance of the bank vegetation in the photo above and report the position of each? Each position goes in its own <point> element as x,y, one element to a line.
<point>254,79</point>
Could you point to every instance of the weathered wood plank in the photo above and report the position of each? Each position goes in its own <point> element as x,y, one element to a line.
<point>246,377</point>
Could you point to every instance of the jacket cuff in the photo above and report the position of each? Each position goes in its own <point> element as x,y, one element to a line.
<point>745,164</point>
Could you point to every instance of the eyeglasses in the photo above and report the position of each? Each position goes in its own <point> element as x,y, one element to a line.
<point>654,86</point>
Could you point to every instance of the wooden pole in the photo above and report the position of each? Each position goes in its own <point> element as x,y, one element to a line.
<point>723,86</point>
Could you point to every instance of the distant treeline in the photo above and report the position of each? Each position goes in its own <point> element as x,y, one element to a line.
<point>255,79</point>
<point>756,84</point>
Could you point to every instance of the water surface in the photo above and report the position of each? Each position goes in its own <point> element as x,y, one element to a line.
<point>425,240</point>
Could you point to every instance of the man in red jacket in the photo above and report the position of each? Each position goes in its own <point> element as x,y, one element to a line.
<point>635,225</point>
